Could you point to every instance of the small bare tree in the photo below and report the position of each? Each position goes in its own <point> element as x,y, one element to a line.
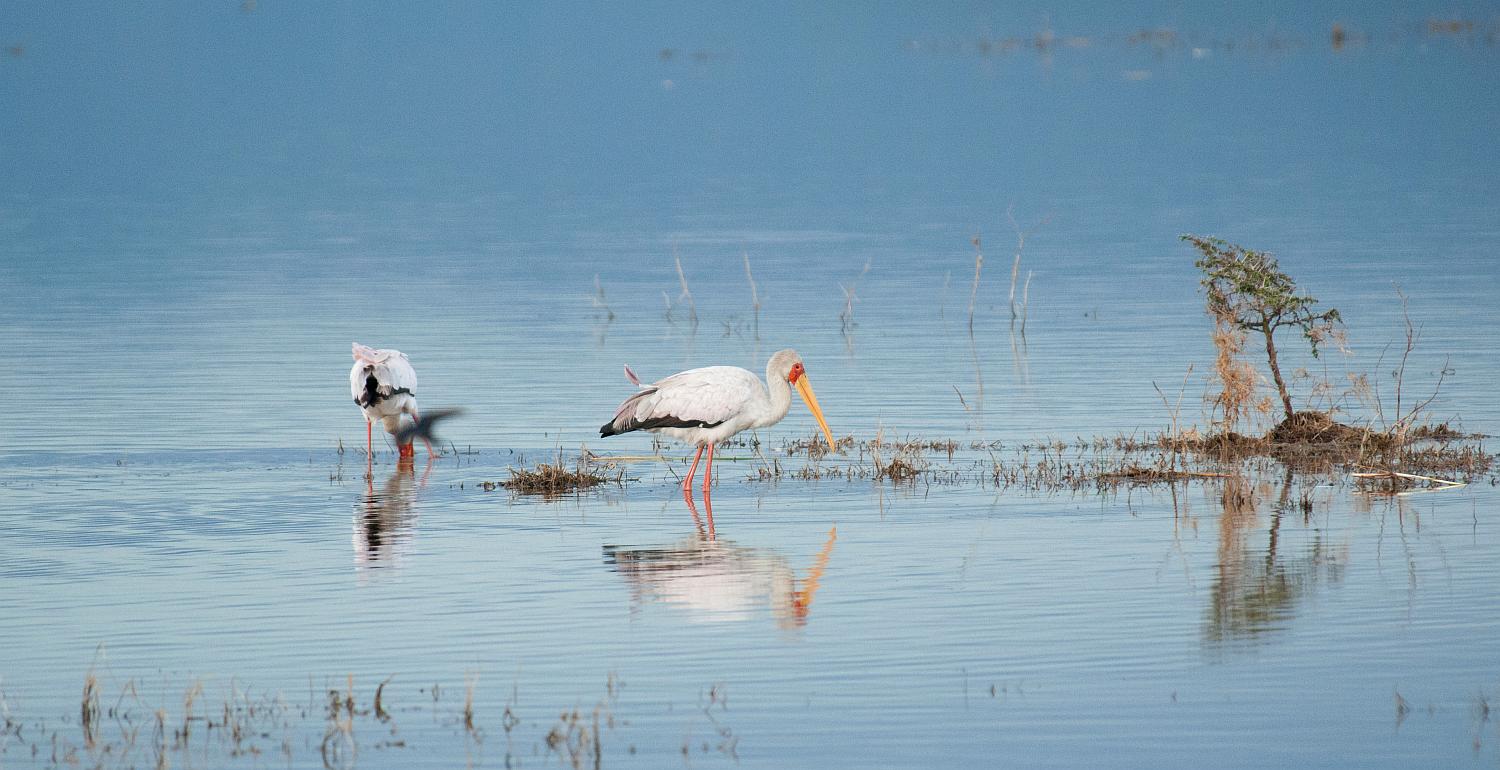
<point>1247,290</point>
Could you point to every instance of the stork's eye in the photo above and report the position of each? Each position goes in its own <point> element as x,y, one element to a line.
<point>796,372</point>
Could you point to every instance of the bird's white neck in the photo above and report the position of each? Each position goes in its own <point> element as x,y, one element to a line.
<point>781,397</point>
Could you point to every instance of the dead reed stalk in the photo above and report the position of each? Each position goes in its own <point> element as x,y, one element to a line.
<point>1400,429</point>
<point>974,289</point>
<point>380,712</point>
<point>754,295</point>
<point>470,681</point>
<point>1025,302</point>
<point>609,315</point>
<point>88,712</point>
<point>846,316</point>
<point>1015,266</point>
<point>686,293</point>
<point>1174,409</point>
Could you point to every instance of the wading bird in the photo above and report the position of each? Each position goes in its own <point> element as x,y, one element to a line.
<point>382,382</point>
<point>705,406</point>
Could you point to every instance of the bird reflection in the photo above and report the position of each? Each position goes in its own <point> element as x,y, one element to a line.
<point>384,519</point>
<point>1258,586</point>
<point>716,580</point>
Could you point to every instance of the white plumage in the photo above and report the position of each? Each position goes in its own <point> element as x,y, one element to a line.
<point>384,386</point>
<point>721,400</point>
<point>705,406</point>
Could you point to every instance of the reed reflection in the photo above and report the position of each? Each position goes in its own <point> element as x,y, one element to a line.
<point>715,580</point>
<point>1259,581</point>
<point>384,520</point>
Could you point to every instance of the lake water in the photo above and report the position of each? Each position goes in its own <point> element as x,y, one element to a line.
<point>203,207</point>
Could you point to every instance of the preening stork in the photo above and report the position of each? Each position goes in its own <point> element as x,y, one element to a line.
<point>705,406</point>
<point>383,384</point>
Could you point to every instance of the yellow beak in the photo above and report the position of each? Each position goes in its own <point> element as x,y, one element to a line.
<point>805,389</point>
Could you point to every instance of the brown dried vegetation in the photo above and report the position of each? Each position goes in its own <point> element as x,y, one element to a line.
<point>552,480</point>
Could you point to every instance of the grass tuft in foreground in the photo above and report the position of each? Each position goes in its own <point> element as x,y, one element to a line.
<point>552,479</point>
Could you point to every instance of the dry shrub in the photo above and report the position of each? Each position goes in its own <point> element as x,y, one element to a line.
<point>1237,378</point>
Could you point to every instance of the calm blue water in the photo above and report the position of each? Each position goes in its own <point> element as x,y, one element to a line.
<point>203,205</point>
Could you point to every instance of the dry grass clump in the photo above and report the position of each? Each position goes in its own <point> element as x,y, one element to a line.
<point>555,478</point>
<point>1440,432</point>
<point>1467,462</point>
<point>550,480</point>
<point>1319,428</point>
<point>1141,474</point>
<point>898,470</point>
<point>815,446</point>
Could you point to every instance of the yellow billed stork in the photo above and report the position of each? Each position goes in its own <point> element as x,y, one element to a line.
<point>705,406</point>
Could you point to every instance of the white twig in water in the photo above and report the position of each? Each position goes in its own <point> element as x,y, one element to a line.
<point>974,290</point>
<point>846,316</point>
<point>1025,301</point>
<point>754,295</point>
<point>599,299</point>
<point>1015,267</point>
<point>686,294</point>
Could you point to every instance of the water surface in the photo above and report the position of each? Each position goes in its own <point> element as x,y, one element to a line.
<point>203,209</point>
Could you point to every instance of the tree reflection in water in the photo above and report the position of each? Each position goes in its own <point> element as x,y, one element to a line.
<point>1258,582</point>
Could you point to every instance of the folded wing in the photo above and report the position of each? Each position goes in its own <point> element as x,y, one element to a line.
<point>697,398</point>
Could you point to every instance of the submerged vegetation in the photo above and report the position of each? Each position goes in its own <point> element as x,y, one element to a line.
<point>332,726</point>
<point>1311,444</point>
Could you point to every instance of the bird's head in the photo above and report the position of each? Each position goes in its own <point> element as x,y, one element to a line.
<point>787,365</point>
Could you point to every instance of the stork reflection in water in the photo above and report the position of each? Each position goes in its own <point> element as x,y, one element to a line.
<point>716,580</point>
<point>384,521</point>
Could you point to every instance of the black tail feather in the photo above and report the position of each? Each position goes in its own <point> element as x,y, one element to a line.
<point>665,421</point>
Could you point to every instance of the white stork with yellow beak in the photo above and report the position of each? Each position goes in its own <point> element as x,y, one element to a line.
<point>705,406</point>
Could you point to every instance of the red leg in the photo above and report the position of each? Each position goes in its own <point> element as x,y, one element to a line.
<point>369,438</point>
<point>693,509</point>
<point>708,471</point>
<point>687,483</point>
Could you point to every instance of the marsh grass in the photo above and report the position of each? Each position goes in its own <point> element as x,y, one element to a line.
<point>554,479</point>
<point>577,737</point>
<point>1105,463</point>
<point>237,727</point>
